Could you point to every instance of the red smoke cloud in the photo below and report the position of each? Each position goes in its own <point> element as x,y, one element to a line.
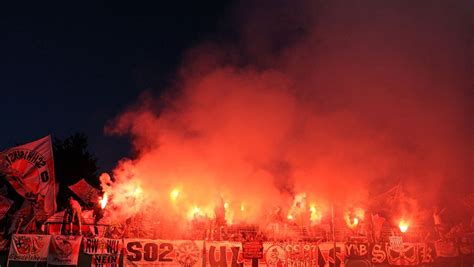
<point>341,101</point>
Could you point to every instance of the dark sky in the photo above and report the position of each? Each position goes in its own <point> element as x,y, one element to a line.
<point>73,69</point>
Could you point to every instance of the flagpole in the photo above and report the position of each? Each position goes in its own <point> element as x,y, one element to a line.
<point>333,232</point>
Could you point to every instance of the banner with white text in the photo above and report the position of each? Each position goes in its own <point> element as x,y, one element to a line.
<point>31,172</point>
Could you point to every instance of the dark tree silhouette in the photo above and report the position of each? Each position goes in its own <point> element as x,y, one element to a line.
<point>72,162</point>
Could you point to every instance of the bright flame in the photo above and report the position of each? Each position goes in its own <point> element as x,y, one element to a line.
<point>242,207</point>
<point>290,217</point>
<point>353,216</point>
<point>229,213</point>
<point>174,194</point>
<point>403,225</point>
<point>138,191</point>
<point>126,197</point>
<point>315,214</point>
<point>359,213</point>
<point>103,201</point>
<point>194,212</point>
<point>356,221</point>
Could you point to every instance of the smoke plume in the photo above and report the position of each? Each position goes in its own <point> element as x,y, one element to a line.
<point>338,100</point>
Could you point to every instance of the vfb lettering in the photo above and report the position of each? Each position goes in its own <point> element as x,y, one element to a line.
<point>150,252</point>
<point>357,250</point>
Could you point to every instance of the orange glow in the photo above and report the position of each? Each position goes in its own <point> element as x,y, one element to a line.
<point>229,213</point>
<point>194,212</point>
<point>359,213</point>
<point>352,217</point>
<point>355,221</point>
<point>174,194</point>
<point>240,141</point>
<point>403,225</point>
<point>351,222</point>
<point>299,207</point>
<point>138,191</point>
<point>315,214</point>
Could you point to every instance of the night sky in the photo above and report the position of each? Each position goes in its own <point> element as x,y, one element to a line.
<point>73,69</point>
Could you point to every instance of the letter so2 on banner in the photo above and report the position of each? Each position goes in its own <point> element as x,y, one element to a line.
<point>143,252</point>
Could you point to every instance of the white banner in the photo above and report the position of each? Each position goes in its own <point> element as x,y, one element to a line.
<point>148,252</point>
<point>30,170</point>
<point>29,248</point>
<point>64,250</point>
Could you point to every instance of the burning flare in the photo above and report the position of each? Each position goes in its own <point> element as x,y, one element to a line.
<point>315,214</point>
<point>353,217</point>
<point>403,225</point>
<point>196,212</point>
<point>174,194</point>
<point>103,201</point>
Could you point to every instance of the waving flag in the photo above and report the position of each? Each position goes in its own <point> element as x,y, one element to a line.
<point>85,191</point>
<point>30,170</point>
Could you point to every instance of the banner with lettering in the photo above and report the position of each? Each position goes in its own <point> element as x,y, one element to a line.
<point>31,172</point>
<point>290,254</point>
<point>148,252</point>
<point>357,251</point>
<point>224,253</point>
<point>29,247</point>
<point>404,254</point>
<point>104,251</point>
<point>64,250</point>
<point>276,254</point>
